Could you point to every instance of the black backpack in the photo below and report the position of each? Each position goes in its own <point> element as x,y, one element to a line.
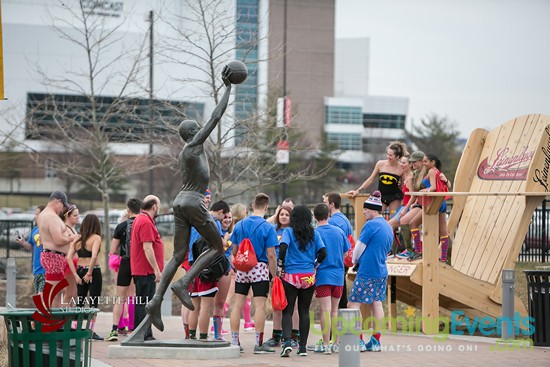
<point>125,247</point>
<point>216,269</point>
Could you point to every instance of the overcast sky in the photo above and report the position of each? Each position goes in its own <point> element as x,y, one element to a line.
<point>478,62</point>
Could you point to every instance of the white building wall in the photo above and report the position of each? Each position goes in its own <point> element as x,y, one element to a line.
<point>351,67</point>
<point>31,46</point>
<point>386,105</point>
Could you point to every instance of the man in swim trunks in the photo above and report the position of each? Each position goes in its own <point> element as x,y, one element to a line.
<point>55,240</point>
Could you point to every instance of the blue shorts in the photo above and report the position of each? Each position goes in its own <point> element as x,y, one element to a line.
<point>443,207</point>
<point>368,290</point>
<point>397,212</point>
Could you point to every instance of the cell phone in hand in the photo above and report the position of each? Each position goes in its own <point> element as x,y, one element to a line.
<point>18,234</point>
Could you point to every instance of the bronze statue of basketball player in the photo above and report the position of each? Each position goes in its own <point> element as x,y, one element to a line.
<point>190,211</point>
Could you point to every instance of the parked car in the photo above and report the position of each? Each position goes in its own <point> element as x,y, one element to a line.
<point>115,217</point>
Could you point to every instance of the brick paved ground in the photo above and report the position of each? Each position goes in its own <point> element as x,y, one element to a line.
<point>402,350</point>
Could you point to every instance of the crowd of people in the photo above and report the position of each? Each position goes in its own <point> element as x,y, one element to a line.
<point>305,247</point>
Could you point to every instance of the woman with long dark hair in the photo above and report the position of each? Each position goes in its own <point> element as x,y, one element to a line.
<point>88,272</point>
<point>430,178</point>
<point>301,250</point>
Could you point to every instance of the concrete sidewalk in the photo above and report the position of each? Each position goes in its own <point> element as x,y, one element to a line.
<point>406,350</point>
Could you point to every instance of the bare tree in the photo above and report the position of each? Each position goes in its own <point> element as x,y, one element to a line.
<point>242,152</point>
<point>438,135</point>
<point>95,105</point>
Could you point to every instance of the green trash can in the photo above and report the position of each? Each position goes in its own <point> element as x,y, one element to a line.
<point>30,346</point>
<point>538,288</point>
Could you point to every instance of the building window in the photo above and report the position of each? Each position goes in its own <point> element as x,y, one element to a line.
<point>50,171</point>
<point>345,141</point>
<point>384,121</point>
<point>247,25</point>
<point>122,119</point>
<point>343,115</point>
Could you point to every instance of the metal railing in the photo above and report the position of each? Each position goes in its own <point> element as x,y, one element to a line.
<point>8,230</point>
<point>536,246</point>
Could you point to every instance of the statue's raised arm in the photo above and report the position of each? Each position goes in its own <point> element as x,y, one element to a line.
<point>218,112</point>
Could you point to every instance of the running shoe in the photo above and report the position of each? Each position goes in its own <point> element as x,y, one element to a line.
<point>416,256</point>
<point>404,255</point>
<point>362,346</point>
<point>286,350</point>
<point>373,345</point>
<point>273,343</point>
<point>112,337</point>
<point>316,346</point>
<point>263,349</point>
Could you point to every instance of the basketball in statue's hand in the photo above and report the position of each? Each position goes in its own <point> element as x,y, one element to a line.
<point>238,71</point>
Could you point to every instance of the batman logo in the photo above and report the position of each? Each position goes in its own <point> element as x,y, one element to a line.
<point>388,180</point>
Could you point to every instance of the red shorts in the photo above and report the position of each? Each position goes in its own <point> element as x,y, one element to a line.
<point>68,271</point>
<point>54,263</point>
<point>200,288</point>
<point>329,291</point>
<point>185,265</point>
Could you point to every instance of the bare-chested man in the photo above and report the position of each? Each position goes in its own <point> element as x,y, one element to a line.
<point>190,210</point>
<point>55,240</point>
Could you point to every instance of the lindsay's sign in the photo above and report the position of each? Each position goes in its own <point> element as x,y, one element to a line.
<point>505,165</point>
<point>541,175</point>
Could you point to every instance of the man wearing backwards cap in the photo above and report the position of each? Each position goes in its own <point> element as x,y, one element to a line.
<point>369,258</point>
<point>55,240</point>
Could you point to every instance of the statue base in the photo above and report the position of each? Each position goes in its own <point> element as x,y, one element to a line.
<point>175,349</point>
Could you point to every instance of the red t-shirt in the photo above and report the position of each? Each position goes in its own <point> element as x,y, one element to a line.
<point>144,230</point>
<point>406,198</point>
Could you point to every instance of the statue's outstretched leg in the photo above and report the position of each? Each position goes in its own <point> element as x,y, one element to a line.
<point>181,287</point>
<point>138,335</point>
<point>153,308</point>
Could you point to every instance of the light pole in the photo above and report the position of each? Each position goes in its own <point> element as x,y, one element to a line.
<point>285,122</point>
<point>151,114</point>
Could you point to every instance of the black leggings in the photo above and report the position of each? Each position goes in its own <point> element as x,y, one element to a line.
<point>304,302</point>
<point>94,288</point>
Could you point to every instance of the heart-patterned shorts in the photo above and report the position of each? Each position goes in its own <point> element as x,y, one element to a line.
<point>258,273</point>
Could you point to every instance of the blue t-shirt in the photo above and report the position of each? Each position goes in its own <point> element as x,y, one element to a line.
<point>297,261</point>
<point>227,252</point>
<point>34,240</point>
<point>377,235</point>
<point>341,221</point>
<point>279,231</point>
<point>426,182</point>
<point>331,270</point>
<point>195,235</point>
<point>261,234</point>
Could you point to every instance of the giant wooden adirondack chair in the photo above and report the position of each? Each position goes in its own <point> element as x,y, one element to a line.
<point>502,177</point>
